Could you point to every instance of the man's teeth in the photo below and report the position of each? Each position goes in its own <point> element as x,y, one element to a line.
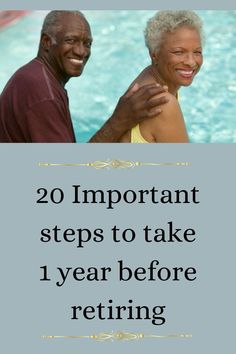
<point>76,61</point>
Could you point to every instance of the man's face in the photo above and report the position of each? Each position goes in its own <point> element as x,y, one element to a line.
<point>71,51</point>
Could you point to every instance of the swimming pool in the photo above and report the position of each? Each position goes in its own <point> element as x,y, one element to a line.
<point>118,55</point>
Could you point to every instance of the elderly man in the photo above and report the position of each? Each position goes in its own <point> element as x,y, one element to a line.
<point>34,104</point>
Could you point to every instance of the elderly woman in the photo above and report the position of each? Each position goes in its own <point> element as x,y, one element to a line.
<point>174,42</point>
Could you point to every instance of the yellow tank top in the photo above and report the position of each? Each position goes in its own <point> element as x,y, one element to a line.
<point>136,136</point>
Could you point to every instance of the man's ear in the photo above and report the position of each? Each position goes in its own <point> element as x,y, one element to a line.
<point>46,42</point>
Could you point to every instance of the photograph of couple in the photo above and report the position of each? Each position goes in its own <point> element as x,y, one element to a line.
<point>126,94</point>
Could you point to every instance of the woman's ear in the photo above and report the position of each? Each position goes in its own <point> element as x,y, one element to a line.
<point>154,58</point>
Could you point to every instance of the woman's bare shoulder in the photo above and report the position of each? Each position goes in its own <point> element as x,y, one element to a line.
<point>172,103</point>
<point>169,125</point>
<point>144,78</point>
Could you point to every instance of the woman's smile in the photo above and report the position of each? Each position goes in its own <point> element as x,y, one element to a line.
<point>179,58</point>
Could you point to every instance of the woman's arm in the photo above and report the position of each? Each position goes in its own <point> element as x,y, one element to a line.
<point>168,126</point>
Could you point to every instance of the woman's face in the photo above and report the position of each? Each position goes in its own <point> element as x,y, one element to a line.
<point>179,58</point>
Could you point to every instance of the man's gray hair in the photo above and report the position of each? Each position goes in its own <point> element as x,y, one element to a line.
<point>52,23</point>
<point>168,21</point>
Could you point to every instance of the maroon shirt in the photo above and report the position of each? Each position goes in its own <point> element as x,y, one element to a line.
<point>34,107</point>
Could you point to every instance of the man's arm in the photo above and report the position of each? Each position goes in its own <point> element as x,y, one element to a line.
<point>48,122</point>
<point>136,105</point>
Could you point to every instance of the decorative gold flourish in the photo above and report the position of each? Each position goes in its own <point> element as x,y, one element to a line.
<point>104,337</point>
<point>115,164</point>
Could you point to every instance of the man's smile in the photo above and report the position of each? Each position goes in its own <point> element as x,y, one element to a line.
<point>78,62</point>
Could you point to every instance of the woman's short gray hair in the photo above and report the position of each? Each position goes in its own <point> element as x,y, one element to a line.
<point>168,21</point>
<point>52,23</point>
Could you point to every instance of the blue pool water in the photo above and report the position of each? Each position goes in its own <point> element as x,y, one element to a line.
<point>118,55</point>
